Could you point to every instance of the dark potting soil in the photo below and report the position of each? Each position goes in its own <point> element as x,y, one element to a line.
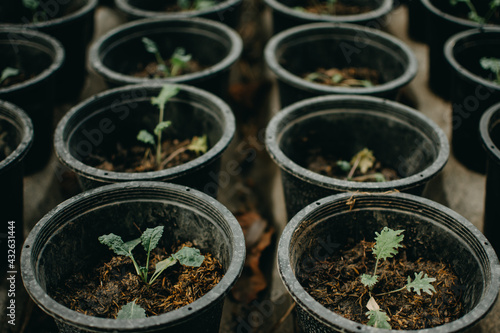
<point>104,289</point>
<point>167,6</point>
<point>6,140</point>
<point>327,166</point>
<point>335,283</point>
<point>339,8</point>
<point>345,77</point>
<point>141,158</point>
<point>21,77</point>
<point>151,70</point>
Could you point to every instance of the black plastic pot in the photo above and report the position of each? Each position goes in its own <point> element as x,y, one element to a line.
<point>301,50</point>
<point>119,114</point>
<point>441,25</point>
<point>214,45</point>
<point>490,137</point>
<point>19,137</point>
<point>472,91</point>
<point>69,21</point>
<point>41,57</point>
<point>68,234</point>
<point>224,11</point>
<point>432,231</point>
<point>416,20</point>
<point>400,138</point>
<point>285,16</point>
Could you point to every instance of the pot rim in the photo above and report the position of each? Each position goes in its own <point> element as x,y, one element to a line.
<point>455,40</point>
<point>21,121</point>
<point>328,102</point>
<point>484,130</point>
<point>35,38</point>
<point>325,316</point>
<point>450,18</point>
<point>151,324</point>
<point>384,9</point>
<point>123,32</point>
<point>286,76</point>
<point>222,6</point>
<point>66,157</point>
<point>89,6</point>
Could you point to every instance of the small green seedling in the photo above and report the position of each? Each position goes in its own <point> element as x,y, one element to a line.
<point>387,243</point>
<point>338,80</point>
<point>178,61</point>
<point>149,239</point>
<point>8,72</point>
<point>473,14</point>
<point>492,64</point>
<point>195,4</point>
<point>364,160</point>
<point>39,15</point>
<point>198,145</point>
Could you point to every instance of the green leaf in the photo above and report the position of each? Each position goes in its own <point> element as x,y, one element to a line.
<point>204,4</point>
<point>146,137</point>
<point>366,160</point>
<point>150,45</point>
<point>378,318</point>
<point>387,242</point>
<point>337,78</point>
<point>116,244</point>
<point>168,91</point>
<point>189,256</point>
<point>366,83</point>
<point>369,280</point>
<point>179,57</point>
<point>494,4</point>
<point>161,266</point>
<point>184,4</point>
<point>31,4</point>
<point>421,284</point>
<point>151,237</point>
<point>312,76</point>
<point>198,144</point>
<point>8,72</point>
<point>492,64</point>
<point>344,165</point>
<point>379,177</point>
<point>131,311</point>
<point>162,126</point>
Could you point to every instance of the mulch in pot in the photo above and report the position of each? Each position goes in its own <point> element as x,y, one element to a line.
<point>338,8</point>
<point>104,289</point>
<point>152,71</point>
<point>345,77</point>
<point>335,283</point>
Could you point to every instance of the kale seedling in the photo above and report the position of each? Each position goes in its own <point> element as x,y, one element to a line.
<point>492,64</point>
<point>198,144</point>
<point>8,72</point>
<point>387,243</point>
<point>473,14</point>
<point>195,4</point>
<point>149,239</point>
<point>338,80</point>
<point>364,160</point>
<point>177,61</point>
<point>39,15</point>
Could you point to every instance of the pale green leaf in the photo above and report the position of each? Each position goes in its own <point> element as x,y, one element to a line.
<point>204,4</point>
<point>379,177</point>
<point>189,256</point>
<point>184,4</point>
<point>146,137</point>
<point>365,160</point>
<point>162,126</point>
<point>378,319</point>
<point>31,4</point>
<point>151,237</point>
<point>116,244</point>
<point>387,242</point>
<point>179,57</point>
<point>150,45</point>
<point>494,4</point>
<point>168,91</point>
<point>164,264</point>
<point>421,284</point>
<point>344,165</point>
<point>369,280</point>
<point>198,144</point>
<point>337,78</point>
<point>8,72</point>
<point>492,64</point>
<point>131,311</point>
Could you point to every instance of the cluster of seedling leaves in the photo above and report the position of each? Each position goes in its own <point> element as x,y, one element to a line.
<point>198,144</point>
<point>492,64</point>
<point>364,161</point>
<point>8,72</point>
<point>177,61</point>
<point>473,14</point>
<point>387,243</point>
<point>149,239</point>
<point>195,4</point>
<point>39,15</point>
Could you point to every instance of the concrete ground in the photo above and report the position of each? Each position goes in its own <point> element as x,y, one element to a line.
<point>457,187</point>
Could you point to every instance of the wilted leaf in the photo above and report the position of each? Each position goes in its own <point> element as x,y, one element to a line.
<point>198,144</point>
<point>372,304</point>
<point>365,160</point>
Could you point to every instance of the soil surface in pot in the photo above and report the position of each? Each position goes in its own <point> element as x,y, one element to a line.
<point>336,8</point>
<point>345,77</point>
<point>19,78</point>
<point>335,283</point>
<point>178,5</point>
<point>331,166</point>
<point>141,158</point>
<point>152,71</point>
<point>103,290</point>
